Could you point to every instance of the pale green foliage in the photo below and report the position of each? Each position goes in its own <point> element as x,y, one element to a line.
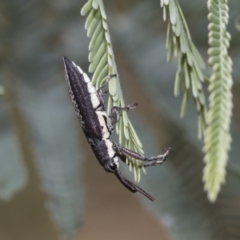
<point>217,137</point>
<point>189,77</point>
<point>102,63</point>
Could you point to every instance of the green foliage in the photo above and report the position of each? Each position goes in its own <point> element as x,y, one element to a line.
<point>102,63</point>
<point>189,76</point>
<point>189,79</point>
<point>217,137</point>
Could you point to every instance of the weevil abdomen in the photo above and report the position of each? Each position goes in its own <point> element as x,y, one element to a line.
<point>84,102</point>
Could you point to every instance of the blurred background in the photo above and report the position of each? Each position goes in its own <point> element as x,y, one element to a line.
<point>51,185</point>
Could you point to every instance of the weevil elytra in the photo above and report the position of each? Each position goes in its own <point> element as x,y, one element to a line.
<point>98,126</point>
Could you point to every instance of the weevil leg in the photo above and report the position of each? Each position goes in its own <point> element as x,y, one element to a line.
<point>115,110</point>
<point>100,90</point>
<point>112,167</point>
<point>109,77</point>
<point>148,164</point>
<point>152,161</point>
<point>131,186</point>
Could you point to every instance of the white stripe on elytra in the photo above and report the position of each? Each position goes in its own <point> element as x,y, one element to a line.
<point>86,78</point>
<point>74,64</point>
<point>115,159</point>
<point>103,124</point>
<point>109,145</point>
<point>111,151</point>
<point>95,100</point>
<point>91,88</point>
<point>79,69</point>
<point>93,94</point>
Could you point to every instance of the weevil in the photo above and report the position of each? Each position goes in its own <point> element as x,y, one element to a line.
<point>98,126</point>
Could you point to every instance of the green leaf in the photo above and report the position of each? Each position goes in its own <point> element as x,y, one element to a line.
<point>95,4</point>
<point>97,56</point>
<point>102,64</point>
<point>177,83</point>
<point>189,72</point>
<point>217,134</point>
<point>172,12</point>
<point>86,8</point>
<point>95,22</point>
<point>184,104</point>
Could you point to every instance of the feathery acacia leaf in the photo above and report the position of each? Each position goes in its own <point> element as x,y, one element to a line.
<point>217,137</point>
<point>189,76</point>
<point>102,64</point>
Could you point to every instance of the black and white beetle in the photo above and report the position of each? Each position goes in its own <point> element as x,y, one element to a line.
<point>98,126</point>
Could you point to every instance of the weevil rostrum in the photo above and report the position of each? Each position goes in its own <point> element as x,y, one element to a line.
<point>98,126</point>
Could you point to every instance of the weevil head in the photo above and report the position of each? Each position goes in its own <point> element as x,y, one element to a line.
<point>112,165</point>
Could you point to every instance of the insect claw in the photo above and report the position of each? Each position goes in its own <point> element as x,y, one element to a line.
<point>133,106</point>
<point>113,75</point>
<point>167,151</point>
